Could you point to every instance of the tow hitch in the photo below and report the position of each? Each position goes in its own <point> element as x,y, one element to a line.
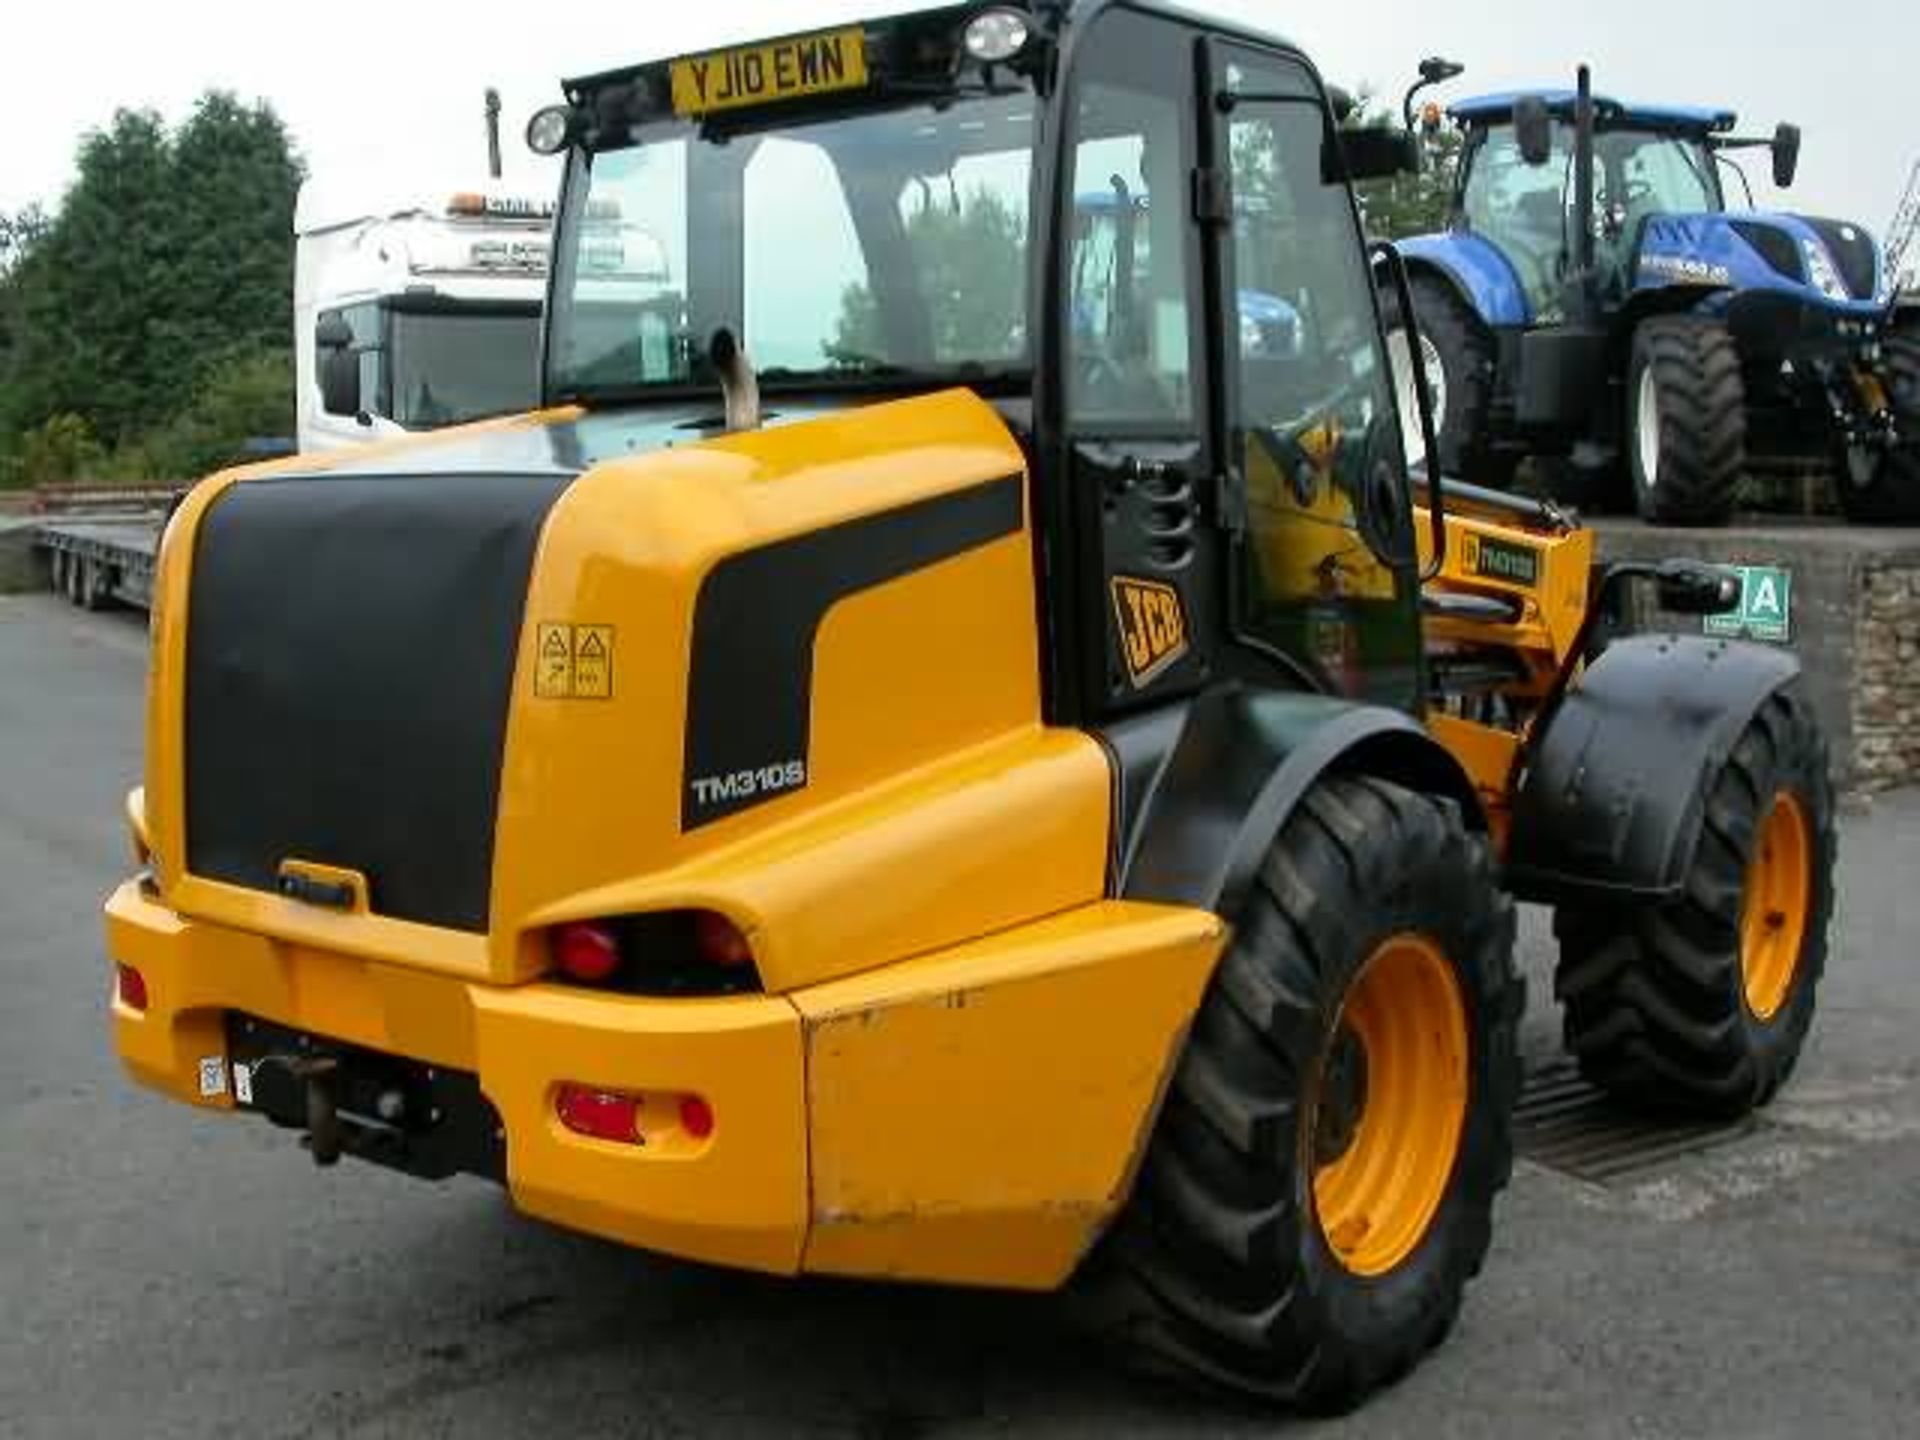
<point>347,1100</point>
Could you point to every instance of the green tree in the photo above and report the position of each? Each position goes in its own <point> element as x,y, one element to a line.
<point>248,396</point>
<point>60,450</point>
<point>170,259</point>
<point>1414,204</point>
<point>235,181</point>
<point>100,274</point>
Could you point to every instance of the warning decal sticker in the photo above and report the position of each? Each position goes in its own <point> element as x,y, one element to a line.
<point>573,662</point>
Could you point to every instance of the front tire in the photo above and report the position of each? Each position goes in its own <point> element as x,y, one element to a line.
<point>1686,421</point>
<point>1702,1003</point>
<point>1320,1183</point>
<point>1884,488</point>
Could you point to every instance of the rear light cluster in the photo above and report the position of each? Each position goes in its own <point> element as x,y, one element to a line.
<point>682,952</point>
<point>132,987</point>
<point>626,1118</point>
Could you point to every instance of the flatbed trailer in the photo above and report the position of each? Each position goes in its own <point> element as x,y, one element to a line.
<point>97,559</point>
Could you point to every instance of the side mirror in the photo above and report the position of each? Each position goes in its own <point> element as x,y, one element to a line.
<point>1533,129</point>
<point>332,332</point>
<point>1688,587</point>
<point>1377,152</point>
<point>339,366</point>
<point>1786,154</point>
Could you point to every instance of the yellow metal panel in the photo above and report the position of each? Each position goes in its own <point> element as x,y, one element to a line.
<point>1487,755</point>
<point>990,838</point>
<point>196,971</point>
<point>977,1116</point>
<point>1552,606</point>
<point>737,1199</point>
<point>909,678</point>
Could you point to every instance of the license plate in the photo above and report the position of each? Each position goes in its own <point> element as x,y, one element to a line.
<point>765,74</point>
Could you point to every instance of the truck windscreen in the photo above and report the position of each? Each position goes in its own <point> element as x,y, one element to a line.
<point>446,366</point>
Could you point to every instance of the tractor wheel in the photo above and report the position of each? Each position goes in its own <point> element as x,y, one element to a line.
<point>1701,1003</point>
<point>1320,1184</point>
<point>1458,356</point>
<point>1686,421</point>
<point>1883,487</point>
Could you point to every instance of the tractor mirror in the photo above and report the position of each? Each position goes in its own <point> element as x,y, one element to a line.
<point>1377,152</point>
<point>1533,129</point>
<point>1786,154</point>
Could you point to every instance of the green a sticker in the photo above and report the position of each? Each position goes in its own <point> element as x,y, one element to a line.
<point>1766,606</point>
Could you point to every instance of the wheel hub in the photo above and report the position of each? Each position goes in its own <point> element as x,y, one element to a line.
<point>1390,1105</point>
<point>1646,415</point>
<point>1773,920</point>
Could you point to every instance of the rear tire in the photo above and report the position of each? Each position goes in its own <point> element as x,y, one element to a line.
<point>1463,410</point>
<point>1259,1252</point>
<point>1891,492</point>
<point>1700,1004</point>
<point>1686,435</point>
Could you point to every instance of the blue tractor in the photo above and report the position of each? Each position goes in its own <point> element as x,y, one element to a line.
<point>1596,302</point>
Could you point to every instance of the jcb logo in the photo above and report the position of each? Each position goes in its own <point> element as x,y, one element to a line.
<point>1153,626</point>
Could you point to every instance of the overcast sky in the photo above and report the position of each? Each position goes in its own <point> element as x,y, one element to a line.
<point>378,88</point>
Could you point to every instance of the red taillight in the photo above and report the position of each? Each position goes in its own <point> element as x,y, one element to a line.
<point>719,940</point>
<point>603,1114</point>
<point>133,987</point>
<point>696,1116</point>
<point>586,952</point>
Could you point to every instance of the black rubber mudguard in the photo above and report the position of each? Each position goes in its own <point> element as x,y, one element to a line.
<point>1612,794</point>
<point>1202,787</point>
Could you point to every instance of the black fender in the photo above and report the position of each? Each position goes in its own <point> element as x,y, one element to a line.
<point>1613,792</point>
<point>1644,304</point>
<point>1202,787</point>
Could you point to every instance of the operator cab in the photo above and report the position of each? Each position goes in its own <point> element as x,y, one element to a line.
<point>1154,271</point>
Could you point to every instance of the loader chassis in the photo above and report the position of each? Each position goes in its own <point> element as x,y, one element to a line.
<point>1012,793</point>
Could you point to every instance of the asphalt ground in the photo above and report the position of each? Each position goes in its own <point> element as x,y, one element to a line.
<point>169,1274</point>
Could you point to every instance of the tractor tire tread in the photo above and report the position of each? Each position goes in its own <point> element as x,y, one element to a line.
<point>1654,1004</point>
<point>1202,1274</point>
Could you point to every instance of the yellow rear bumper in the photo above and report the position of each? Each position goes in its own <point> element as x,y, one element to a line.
<point>973,1116</point>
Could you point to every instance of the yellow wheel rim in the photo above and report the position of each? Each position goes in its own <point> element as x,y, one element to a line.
<point>1390,1106</point>
<point>1773,919</point>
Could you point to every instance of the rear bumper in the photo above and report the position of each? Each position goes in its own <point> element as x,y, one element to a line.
<point>973,1116</point>
<point>738,1198</point>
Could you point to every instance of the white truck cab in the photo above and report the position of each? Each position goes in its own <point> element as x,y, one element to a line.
<point>418,310</point>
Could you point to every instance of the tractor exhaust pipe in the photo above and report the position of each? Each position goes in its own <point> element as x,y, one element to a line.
<point>1583,182</point>
<point>493,132</point>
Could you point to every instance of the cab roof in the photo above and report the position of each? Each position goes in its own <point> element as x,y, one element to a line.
<point>1481,109</point>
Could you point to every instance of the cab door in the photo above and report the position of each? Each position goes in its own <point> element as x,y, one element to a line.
<point>1322,576</point>
<point>1135,554</point>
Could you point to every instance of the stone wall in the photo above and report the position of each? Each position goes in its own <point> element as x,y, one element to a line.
<point>1855,626</point>
<point>1886,716</point>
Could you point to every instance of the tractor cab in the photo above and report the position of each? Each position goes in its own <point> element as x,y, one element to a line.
<point>1648,161</point>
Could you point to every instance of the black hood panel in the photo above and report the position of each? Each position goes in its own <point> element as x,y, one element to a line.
<point>350,651</point>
